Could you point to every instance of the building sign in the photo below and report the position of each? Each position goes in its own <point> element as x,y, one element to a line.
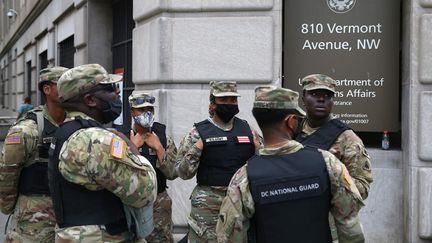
<point>356,42</point>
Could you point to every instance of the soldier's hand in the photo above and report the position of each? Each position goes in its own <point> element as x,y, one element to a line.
<point>199,144</point>
<point>137,138</point>
<point>152,140</point>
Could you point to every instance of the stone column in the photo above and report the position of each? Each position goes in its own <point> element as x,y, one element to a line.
<point>418,116</point>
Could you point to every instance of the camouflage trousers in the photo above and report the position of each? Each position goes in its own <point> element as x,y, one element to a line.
<point>32,221</point>
<point>162,220</point>
<point>205,206</point>
<point>90,234</point>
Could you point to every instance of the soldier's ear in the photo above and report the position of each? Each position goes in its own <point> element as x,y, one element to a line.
<point>89,100</point>
<point>292,122</point>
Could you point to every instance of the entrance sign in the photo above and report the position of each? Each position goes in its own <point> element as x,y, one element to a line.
<point>356,42</point>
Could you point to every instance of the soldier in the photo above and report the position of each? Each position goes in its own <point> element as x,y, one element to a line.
<point>23,167</point>
<point>92,171</point>
<point>153,143</point>
<point>285,193</point>
<point>213,150</point>
<point>320,130</point>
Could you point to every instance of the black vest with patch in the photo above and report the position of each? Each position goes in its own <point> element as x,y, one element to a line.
<point>149,154</point>
<point>224,152</point>
<point>75,205</point>
<point>34,178</point>
<point>325,136</point>
<point>291,193</point>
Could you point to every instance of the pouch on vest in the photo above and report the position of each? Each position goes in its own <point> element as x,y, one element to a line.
<point>139,220</point>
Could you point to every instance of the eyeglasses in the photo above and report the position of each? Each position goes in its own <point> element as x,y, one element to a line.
<point>142,100</point>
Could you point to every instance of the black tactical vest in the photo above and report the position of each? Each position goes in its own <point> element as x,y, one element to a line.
<point>149,154</point>
<point>34,178</point>
<point>292,198</point>
<point>74,205</point>
<point>325,136</point>
<point>224,152</point>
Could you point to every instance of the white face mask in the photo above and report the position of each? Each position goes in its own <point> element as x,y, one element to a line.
<point>146,119</point>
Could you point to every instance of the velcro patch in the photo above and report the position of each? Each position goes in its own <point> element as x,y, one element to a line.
<point>348,179</point>
<point>13,139</point>
<point>118,148</point>
<point>243,139</point>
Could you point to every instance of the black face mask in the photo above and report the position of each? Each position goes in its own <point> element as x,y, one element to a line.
<point>226,111</point>
<point>111,110</point>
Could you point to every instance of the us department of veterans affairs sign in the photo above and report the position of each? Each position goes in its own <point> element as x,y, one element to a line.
<point>341,6</point>
<point>356,42</point>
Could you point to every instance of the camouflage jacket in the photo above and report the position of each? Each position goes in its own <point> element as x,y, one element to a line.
<point>130,177</point>
<point>188,156</point>
<point>349,149</point>
<point>238,206</point>
<point>33,214</point>
<point>90,159</point>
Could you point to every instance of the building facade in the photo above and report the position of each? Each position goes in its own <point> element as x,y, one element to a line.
<point>173,48</point>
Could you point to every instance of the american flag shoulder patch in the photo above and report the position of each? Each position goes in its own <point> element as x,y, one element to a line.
<point>118,148</point>
<point>13,139</point>
<point>243,139</point>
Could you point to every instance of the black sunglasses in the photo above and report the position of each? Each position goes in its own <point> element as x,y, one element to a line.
<point>113,87</point>
<point>142,100</point>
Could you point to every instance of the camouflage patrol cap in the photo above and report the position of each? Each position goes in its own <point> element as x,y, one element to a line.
<point>81,79</point>
<point>51,74</point>
<point>272,97</point>
<point>140,100</point>
<point>223,88</point>
<point>318,81</point>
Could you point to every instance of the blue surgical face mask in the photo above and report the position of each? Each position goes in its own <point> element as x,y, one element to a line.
<point>146,119</point>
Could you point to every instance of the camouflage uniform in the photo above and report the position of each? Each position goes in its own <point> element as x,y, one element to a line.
<point>205,200</point>
<point>88,158</point>
<point>348,147</point>
<point>162,207</point>
<point>238,207</point>
<point>33,216</point>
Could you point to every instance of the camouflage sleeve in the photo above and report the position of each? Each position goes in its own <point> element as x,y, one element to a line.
<point>188,156</point>
<point>350,150</point>
<point>258,140</point>
<point>19,145</point>
<point>236,210</point>
<point>97,159</point>
<point>167,165</point>
<point>346,201</point>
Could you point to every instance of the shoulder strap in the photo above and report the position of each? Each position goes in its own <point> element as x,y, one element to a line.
<point>36,115</point>
<point>325,136</point>
<point>40,123</point>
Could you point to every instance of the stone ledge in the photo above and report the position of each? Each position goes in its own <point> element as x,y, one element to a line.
<point>150,8</point>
